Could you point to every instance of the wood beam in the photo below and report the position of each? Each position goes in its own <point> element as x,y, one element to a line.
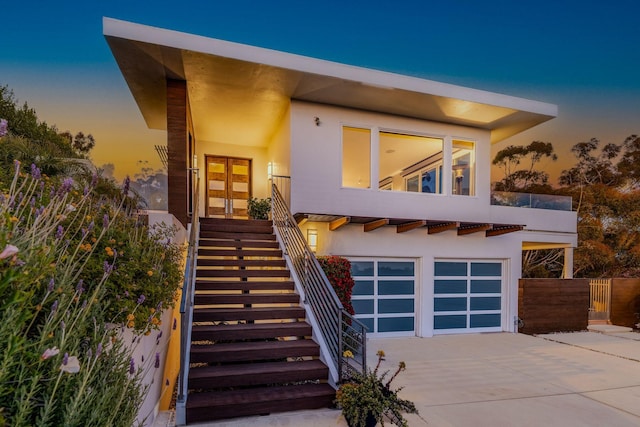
<point>464,229</point>
<point>500,230</point>
<point>403,228</point>
<point>177,148</point>
<point>301,218</point>
<point>440,227</point>
<point>372,225</point>
<point>337,223</point>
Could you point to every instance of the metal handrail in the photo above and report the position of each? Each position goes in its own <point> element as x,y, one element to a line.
<point>339,329</point>
<point>188,290</point>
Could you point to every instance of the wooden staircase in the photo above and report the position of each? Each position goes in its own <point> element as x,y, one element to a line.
<point>251,349</point>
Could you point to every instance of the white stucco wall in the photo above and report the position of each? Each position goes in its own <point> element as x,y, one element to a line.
<point>316,167</point>
<point>279,150</point>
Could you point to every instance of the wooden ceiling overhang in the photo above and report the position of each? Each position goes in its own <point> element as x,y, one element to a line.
<point>404,225</point>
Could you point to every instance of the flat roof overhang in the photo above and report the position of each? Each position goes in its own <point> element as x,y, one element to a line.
<point>231,85</point>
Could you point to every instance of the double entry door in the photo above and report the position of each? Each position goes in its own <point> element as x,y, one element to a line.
<point>228,186</point>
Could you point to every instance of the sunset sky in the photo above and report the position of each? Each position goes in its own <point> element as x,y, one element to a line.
<point>583,56</point>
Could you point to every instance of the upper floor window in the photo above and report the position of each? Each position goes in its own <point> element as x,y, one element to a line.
<point>462,168</point>
<point>410,162</point>
<point>356,157</point>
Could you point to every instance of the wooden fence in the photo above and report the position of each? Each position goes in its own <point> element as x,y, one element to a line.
<point>553,305</point>
<point>625,302</point>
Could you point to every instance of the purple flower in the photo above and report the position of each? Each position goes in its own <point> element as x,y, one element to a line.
<point>79,287</point>
<point>91,226</point>
<point>105,221</point>
<point>141,299</point>
<point>67,183</point>
<point>159,306</point>
<point>4,127</point>
<point>157,364</point>
<point>99,350</point>
<point>32,202</point>
<point>51,285</point>
<point>107,267</point>
<point>63,326</point>
<point>59,232</point>
<point>85,191</point>
<point>54,306</point>
<point>35,171</point>
<point>132,366</point>
<point>94,180</point>
<point>84,304</point>
<point>65,359</point>
<point>126,294</point>
<point>89,354</point>
<point>39,211</point>
<point>16,163</point>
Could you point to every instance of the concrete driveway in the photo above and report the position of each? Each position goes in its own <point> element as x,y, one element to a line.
<point>572,379</point>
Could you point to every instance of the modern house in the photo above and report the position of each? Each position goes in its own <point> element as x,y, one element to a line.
<point>389,171</point>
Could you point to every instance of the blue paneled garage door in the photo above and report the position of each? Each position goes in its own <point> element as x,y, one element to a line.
<point>384,295</point>
<point>467,296</point>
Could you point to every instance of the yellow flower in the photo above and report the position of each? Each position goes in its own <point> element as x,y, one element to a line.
<point>152,310</point>
<point>130,324</point>
<point>148,333</point>
<point>155,321</point>
<point>131,317</point>
<point>380,353</point>
<point>14,219</point>
<point>347,353</point>
<point>88,217</point>
<point>149,273</point>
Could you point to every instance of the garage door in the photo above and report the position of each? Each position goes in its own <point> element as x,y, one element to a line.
<point>467,296</point>
<point>384,295</point>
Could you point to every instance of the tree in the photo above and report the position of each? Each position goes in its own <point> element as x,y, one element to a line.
<point>525,179</point>
<point>83,144</point>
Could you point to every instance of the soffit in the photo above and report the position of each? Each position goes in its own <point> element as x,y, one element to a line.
<point>238,94</point>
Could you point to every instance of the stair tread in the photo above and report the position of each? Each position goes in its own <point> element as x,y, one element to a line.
<point>254,369</point>
<point>251,326</point>
<point>244,285</point>
<point>261,394</point>
<point>265,346</point>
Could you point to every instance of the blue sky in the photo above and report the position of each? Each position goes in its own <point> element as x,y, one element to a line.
<point>581,55</point>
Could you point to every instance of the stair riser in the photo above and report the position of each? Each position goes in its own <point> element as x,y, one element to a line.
<point>276,253</point>
<point>238,244</point>
<point>242,273</point>
<point>228,315</point>
<point>251,356</point>
<point>258,408</point>
<point>222,335</point>
<point>203,262</point>
<point>247,299</point>
<point>202,285</point>
<point>262,379</point>
<point>237,236</point>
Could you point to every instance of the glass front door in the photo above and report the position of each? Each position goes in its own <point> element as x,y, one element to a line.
<point>228,186</point>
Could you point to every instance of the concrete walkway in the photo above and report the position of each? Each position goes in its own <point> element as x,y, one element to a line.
<point>493,380</point>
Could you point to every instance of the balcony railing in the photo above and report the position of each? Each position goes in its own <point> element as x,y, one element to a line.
<point>530,200</point>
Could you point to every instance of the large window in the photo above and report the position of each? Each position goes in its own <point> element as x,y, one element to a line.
<point>410,163</point>
<point>356,157</point>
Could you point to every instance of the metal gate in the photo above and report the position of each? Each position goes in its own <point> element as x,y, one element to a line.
<point>600,304</point>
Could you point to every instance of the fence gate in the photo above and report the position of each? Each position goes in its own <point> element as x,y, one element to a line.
<point>600,305</point>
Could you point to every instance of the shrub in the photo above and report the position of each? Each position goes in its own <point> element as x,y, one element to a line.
<point>338,271</point>
<point>259,208</point>
<point>61,360</point>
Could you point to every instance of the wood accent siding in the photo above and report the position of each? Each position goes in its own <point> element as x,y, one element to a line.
<point>178,148</point>
<point>553,305</point>
<point>625,302</point>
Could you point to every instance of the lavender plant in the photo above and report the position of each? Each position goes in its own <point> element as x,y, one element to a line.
<point>62,362</point>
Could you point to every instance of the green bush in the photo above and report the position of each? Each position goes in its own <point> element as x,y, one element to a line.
<point>259,208</point>
<point>62,295</point>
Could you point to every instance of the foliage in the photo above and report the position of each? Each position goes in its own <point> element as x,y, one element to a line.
<point>526,179</point>
<point>60,361</point>
<point>259,208</point>
<point>23,122</point>
<point>338,271</point>
<point>370,393</point>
